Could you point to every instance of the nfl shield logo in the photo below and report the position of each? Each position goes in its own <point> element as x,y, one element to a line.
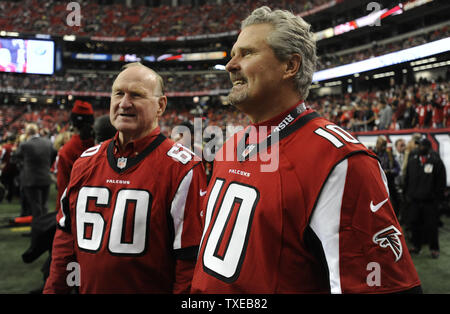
<point>121,162</point>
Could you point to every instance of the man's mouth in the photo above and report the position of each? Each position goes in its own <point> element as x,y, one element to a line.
<point>238,82</point>
<point>127,115</point>
<point>237,79</point>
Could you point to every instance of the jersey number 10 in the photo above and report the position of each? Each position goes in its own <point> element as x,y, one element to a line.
<point>226,243</point>
<point>328,135</point>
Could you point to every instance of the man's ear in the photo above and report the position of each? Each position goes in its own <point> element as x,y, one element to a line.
<point>162,103</point>
<point>293,65</point>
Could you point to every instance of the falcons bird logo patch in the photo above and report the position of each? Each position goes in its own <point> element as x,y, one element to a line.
<point>389,237</point>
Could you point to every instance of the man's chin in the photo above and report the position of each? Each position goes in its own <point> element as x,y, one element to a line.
<point>237,99</point>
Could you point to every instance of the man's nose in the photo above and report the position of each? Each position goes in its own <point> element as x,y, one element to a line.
<point>232,65</point>
<point>125,102</point>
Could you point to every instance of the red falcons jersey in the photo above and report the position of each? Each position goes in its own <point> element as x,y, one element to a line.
<point>310,214</point>
<point>447,114</point>
<point>423,112</point>
<point>131,218</point>
<point>67,155</point>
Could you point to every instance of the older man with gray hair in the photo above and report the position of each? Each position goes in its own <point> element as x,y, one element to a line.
<point>322,218</point>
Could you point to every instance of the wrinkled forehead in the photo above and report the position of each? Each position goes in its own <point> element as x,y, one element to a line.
<point>136,79</point>
<point>130,86</point>
<point>252,37</point>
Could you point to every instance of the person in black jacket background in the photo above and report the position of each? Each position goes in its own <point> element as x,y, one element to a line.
<point>425,183</point>
<point>37,155</point>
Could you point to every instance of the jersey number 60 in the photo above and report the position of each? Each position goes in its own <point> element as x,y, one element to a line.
<point>117,243</point>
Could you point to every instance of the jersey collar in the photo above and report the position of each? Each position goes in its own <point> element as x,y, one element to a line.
<point>291,120</point>
<point>135,152</point>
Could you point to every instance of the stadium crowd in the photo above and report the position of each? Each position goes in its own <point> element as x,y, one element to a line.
<point>422,105</point>
<point>101,82</point>
<point>137,21</point>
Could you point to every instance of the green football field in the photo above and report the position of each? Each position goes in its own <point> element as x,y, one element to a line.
<point>16,277</point>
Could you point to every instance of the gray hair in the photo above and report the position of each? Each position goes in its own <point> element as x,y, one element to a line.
<point>291,35</point>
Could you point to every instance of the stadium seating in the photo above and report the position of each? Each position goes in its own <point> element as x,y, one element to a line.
<point>132,24</point>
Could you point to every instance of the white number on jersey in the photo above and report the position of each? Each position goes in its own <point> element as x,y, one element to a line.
<point>91,151</point>
<point>116,244</point>
<point>223,256</point>
<point>337,130</point>
<point>180,153</point>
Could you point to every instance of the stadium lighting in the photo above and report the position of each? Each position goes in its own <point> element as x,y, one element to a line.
<point>12,34</point>
<point>423,61</point>
<point>334,83</point>
<point>414,53</point>
<point>431,66</point>
<point>381,75</point>
<point>69,37</point>
<point>219,67</point>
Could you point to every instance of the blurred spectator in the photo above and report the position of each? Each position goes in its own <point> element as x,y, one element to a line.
<point>25,209</point>
<point>82,120</point>
<point>424,112</point>
<point>103,129</point>
<point>184,134</point>
<point>390,167</point>
<point>400,148</point>
<point>385,115</point>
<point>37,154</point>
<point>437,111</point>
<point>399,155</point>
<point>411,149</point>
<point>409,117</point>
<point>368,118</point>
<point>8,169</point>
<point>425,183</point>
<point>61,139</point>
<point>446,104</point>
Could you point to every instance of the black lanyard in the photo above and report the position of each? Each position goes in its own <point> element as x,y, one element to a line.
<point>245,151</point>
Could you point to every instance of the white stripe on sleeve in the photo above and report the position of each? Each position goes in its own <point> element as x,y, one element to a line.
<point>326,220</point>
<point>178,206</point>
